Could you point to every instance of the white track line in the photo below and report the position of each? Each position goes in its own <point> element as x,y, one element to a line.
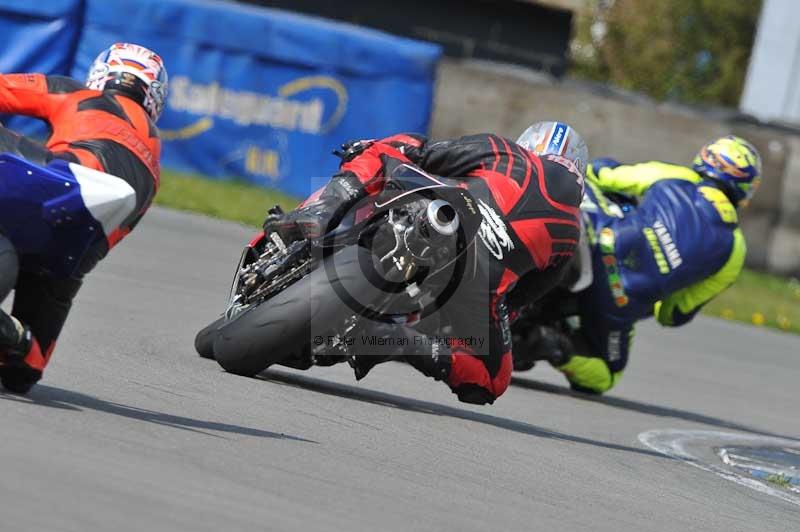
<point>674,442</point>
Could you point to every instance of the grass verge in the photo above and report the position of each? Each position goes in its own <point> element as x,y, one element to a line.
<point>757,298</point>
<point>228,200</point>
<point>760,299</point>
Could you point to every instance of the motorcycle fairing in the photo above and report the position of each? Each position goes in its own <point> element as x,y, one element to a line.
<point>54,214</point>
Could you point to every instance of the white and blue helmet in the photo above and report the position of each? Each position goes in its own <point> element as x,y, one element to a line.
<point>557,139</point>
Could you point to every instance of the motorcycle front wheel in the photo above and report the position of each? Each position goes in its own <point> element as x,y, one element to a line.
<point>289,323</point>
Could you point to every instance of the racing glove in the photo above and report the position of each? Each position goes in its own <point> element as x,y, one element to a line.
<point>352,149</point>
<point>319,216</point>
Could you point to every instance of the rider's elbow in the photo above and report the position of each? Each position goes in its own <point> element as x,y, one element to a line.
<point>672,316</point>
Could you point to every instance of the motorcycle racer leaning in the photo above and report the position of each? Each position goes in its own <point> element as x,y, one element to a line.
<point>667,257</point>
<point>528,193</point>
<point>107,124</point>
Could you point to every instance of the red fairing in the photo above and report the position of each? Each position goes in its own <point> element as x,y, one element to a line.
<point>256,240</point>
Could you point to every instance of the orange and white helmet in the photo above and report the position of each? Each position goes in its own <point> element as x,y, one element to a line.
<point>134,71</point>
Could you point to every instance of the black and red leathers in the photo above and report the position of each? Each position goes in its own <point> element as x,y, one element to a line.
<point>530,228</point>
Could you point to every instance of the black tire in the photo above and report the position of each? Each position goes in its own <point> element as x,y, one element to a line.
<point>9,267</point>
<point>204,341</point>
<point>19,380</point>
<point>285,325</point>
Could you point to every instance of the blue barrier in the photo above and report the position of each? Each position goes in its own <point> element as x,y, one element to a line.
<point>265,94</point>
<point>38,36</point>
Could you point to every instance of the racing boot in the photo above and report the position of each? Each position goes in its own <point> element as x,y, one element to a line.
<point>526,342</point>
<point>439,364</point>
<point>541,342</point>
<point>363,364</point>
<point>21,359</point>
<point>430,357</point>
<point>433,361</point>
<point>382,342</point>
<point>377,343</point>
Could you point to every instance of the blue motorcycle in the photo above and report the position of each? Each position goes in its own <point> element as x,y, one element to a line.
<point>52,215</point>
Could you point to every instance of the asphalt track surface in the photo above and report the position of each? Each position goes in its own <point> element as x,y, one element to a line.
<point>131,431</point>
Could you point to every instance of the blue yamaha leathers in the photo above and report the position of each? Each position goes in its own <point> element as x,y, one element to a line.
<point>54,214</point>
<point>667,254</point>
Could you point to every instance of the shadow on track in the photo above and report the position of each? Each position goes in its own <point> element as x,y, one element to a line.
<point>425,407</point>
<point>642,408</point>
<point>52,397</point>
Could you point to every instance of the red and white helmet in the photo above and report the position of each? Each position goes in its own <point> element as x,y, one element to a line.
<point>133,70</point>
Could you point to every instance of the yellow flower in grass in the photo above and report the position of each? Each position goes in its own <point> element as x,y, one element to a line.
<point>784,322</point>
<point>794,286</point>
<point>758,319</point>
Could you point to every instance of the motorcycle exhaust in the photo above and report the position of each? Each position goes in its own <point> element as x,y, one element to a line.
<point>442,218</point>
<point>433,230</point>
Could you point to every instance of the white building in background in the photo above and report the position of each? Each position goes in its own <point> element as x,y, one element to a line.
<point>772,87</point>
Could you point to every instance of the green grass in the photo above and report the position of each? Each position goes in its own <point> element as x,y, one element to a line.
<point>760,299</point>
<point>779,480</point>
<point>756,298</point>
<point>229,200</point>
